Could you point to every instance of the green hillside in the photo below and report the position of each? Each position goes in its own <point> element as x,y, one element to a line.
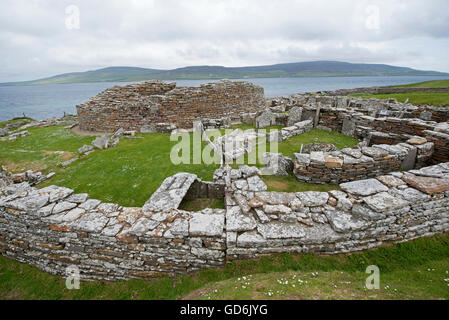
<point>286,70</point>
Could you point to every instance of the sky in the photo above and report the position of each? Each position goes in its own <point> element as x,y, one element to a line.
<point>40,38</point>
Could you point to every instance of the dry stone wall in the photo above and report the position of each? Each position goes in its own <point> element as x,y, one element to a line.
<point>53,228</point>
<point>156,104</point>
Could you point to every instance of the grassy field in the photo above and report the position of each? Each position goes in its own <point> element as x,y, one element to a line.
<point>418,98</point>
<point>417,269</point>
<point>129,173</point>
<point>426,84</point>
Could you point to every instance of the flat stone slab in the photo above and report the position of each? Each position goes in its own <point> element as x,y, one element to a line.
<point>383,201</point>
<point>250,239</point>
<point>236,220</point>
<point>255,183</point>
<point>391,181</point>
<point>170,193</point>
<point>363,187</point>
<point>280,230</point>
<point>344,222</point>
<point>416,141</point>
<point>374,152</point>
<point>427,185</point>
<point>313,198</point>
<point>210,225</point>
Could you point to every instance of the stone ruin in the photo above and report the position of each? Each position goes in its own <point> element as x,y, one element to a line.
<point>394,187</point>
<point>157,106</point>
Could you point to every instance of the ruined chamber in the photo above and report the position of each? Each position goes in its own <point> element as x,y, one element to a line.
<point>157,103</point>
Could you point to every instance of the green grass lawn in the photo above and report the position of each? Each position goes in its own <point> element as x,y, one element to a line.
<point>37,151</point>
<point>129,173</point>
<point>411,270</point>
<point>426,84</point>
<point>418,98</point>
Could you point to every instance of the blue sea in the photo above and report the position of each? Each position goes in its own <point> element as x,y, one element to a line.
<point>46,101</point>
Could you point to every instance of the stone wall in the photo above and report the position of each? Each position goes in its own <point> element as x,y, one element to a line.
<point>364,214</point>
<point>53,228</point>
<point>156,103</point>
<point>372,107</point>
<point>360,163</point>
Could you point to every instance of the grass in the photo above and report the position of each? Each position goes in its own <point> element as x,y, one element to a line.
<point>291,184</point>
<point>202,203</point>
<point>418,98</point>
<point>293,145</point>
<point>129,173</point>
<point>426,84</point>
<point>411,270</point>
<point>37,151</point>
<point>17,119</point>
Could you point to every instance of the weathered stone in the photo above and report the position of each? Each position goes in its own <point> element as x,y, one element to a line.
<point>265,119</point>
<point>355,153</point>
<point>302,158</point>
<point>237,221</point>
<point>409,160</point>
<point>250,239</point>
<point>63,206</point>
<point>411,195</point>
<point>363,187</point>
<point>383,201</point>
<point>391,181</point>
<point>262,216</point>
<point>313,198</point>
<point>57,193</point>
<point>255,183</point>
<point>211,225</point>
<point>277,164</point>
<point>4,132</point>
<point>142,226</point>
<point>343,222</point>
<point>101,142</point>
<point>86,148</point>
<point>276,209</point>
<point>332,162</point>
<point>373,152</point>
<point>280,230</point>
<point>90,204</point>
<point>416,141</point>
<point>319,147</point>
<point>78,198</point>
<point>366,213</point>
<point>91,222</point>
<point>180,228</point>
<point>317,158</point>
<point>170,193</point>
<point>426,184</point>
<point>207,253</point>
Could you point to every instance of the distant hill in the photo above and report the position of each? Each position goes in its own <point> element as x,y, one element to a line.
<point>285,70</point>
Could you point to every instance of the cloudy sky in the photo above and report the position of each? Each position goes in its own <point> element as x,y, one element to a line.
<point>40,38</point>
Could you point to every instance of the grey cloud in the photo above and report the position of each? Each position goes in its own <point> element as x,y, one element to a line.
<point>170,34</point>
